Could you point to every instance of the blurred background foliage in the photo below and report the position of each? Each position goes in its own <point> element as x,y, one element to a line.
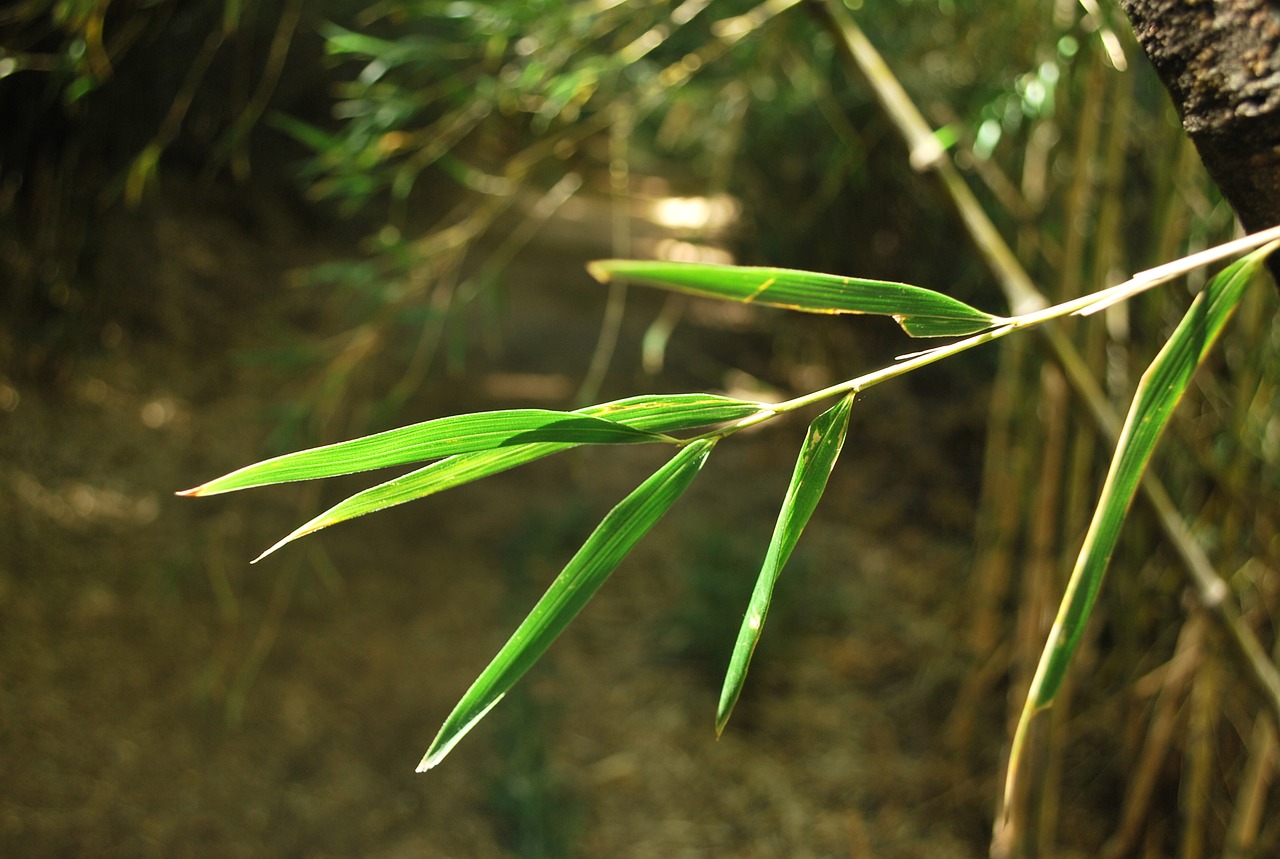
<point>96,97</point>
<point>449,132</point>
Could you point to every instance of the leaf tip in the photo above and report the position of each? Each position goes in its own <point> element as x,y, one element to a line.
<point>599,269</point>
<point>309,528</point>
<point>455,729</point>
<point>435,754</point>
<point>728,700</point>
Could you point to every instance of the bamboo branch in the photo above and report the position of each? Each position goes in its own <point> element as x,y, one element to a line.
<point>928,155</point>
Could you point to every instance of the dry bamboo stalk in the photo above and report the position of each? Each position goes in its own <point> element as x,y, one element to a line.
<point>1051,782</point>
<point>1023,828</point>
<point>1173,219</point>
<point>1251,801</point>
<point>620,238</point>
<point>1006,472</point>
<point>1153,844</point>
<point>1042,567</point>
<point>1197,779</point>
<point>1178,672</point>
<point>1083,189</point>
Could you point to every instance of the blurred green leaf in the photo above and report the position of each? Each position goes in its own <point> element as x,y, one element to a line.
<point>920,312</point>
<point>305,133</point>
<point>615,536</point>
<point>403,49</point>
<point>142,173</point>
<point>231,12</point>
<point>1161,388</point>
<point>808,481</point>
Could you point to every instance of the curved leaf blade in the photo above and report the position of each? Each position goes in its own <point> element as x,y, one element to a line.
<point>653,413</point>
<point>434,439</point>
<point>437,477</point>
<point>817,457</point>
<point>612,539</point>
<point>629,421</point>
<point>1161,388</point>
<point>921,312</point>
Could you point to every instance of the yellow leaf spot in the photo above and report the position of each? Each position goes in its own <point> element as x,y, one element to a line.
<point>759,289</point>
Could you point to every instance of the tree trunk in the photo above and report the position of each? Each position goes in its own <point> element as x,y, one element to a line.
<point>1220,61</point>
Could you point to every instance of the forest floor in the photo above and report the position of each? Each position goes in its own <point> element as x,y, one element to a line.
<point>161,697</point>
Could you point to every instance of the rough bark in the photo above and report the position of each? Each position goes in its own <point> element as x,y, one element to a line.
<point>1220,61</point>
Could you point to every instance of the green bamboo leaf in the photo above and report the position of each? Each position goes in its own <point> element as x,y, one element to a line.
<point>305,133</point>
<point>654,413</point>
<point>1159,391</point>
<point>428,480</point>
<point>434,439</point>
<point>808,481</point>
<point>340,40</point>
<point>921,312</point>
<point>628,421</point>
<point>612,539</point>
<point>667,413</point>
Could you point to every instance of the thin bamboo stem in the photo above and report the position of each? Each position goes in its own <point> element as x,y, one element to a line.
<point>1202,728</point>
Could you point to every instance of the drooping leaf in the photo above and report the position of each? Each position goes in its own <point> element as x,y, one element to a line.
<point>653,414</point>
<point>612,539</point>
<point>1159,391</point>
<point>428,480</point>
<point>921,312</point>
<point>621,422</point>
<point>434,439</point>
<point>808,481</point>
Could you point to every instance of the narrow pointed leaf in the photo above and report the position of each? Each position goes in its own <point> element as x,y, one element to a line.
<point>664,413</point>
<point>434,439</point>
<point>1161,388</point>
<point>613,538</point>
<point>654,413</point>
<point>428,480</point>
<point>627,421</point>
<point>921,312</point>
<point>808,481</point>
